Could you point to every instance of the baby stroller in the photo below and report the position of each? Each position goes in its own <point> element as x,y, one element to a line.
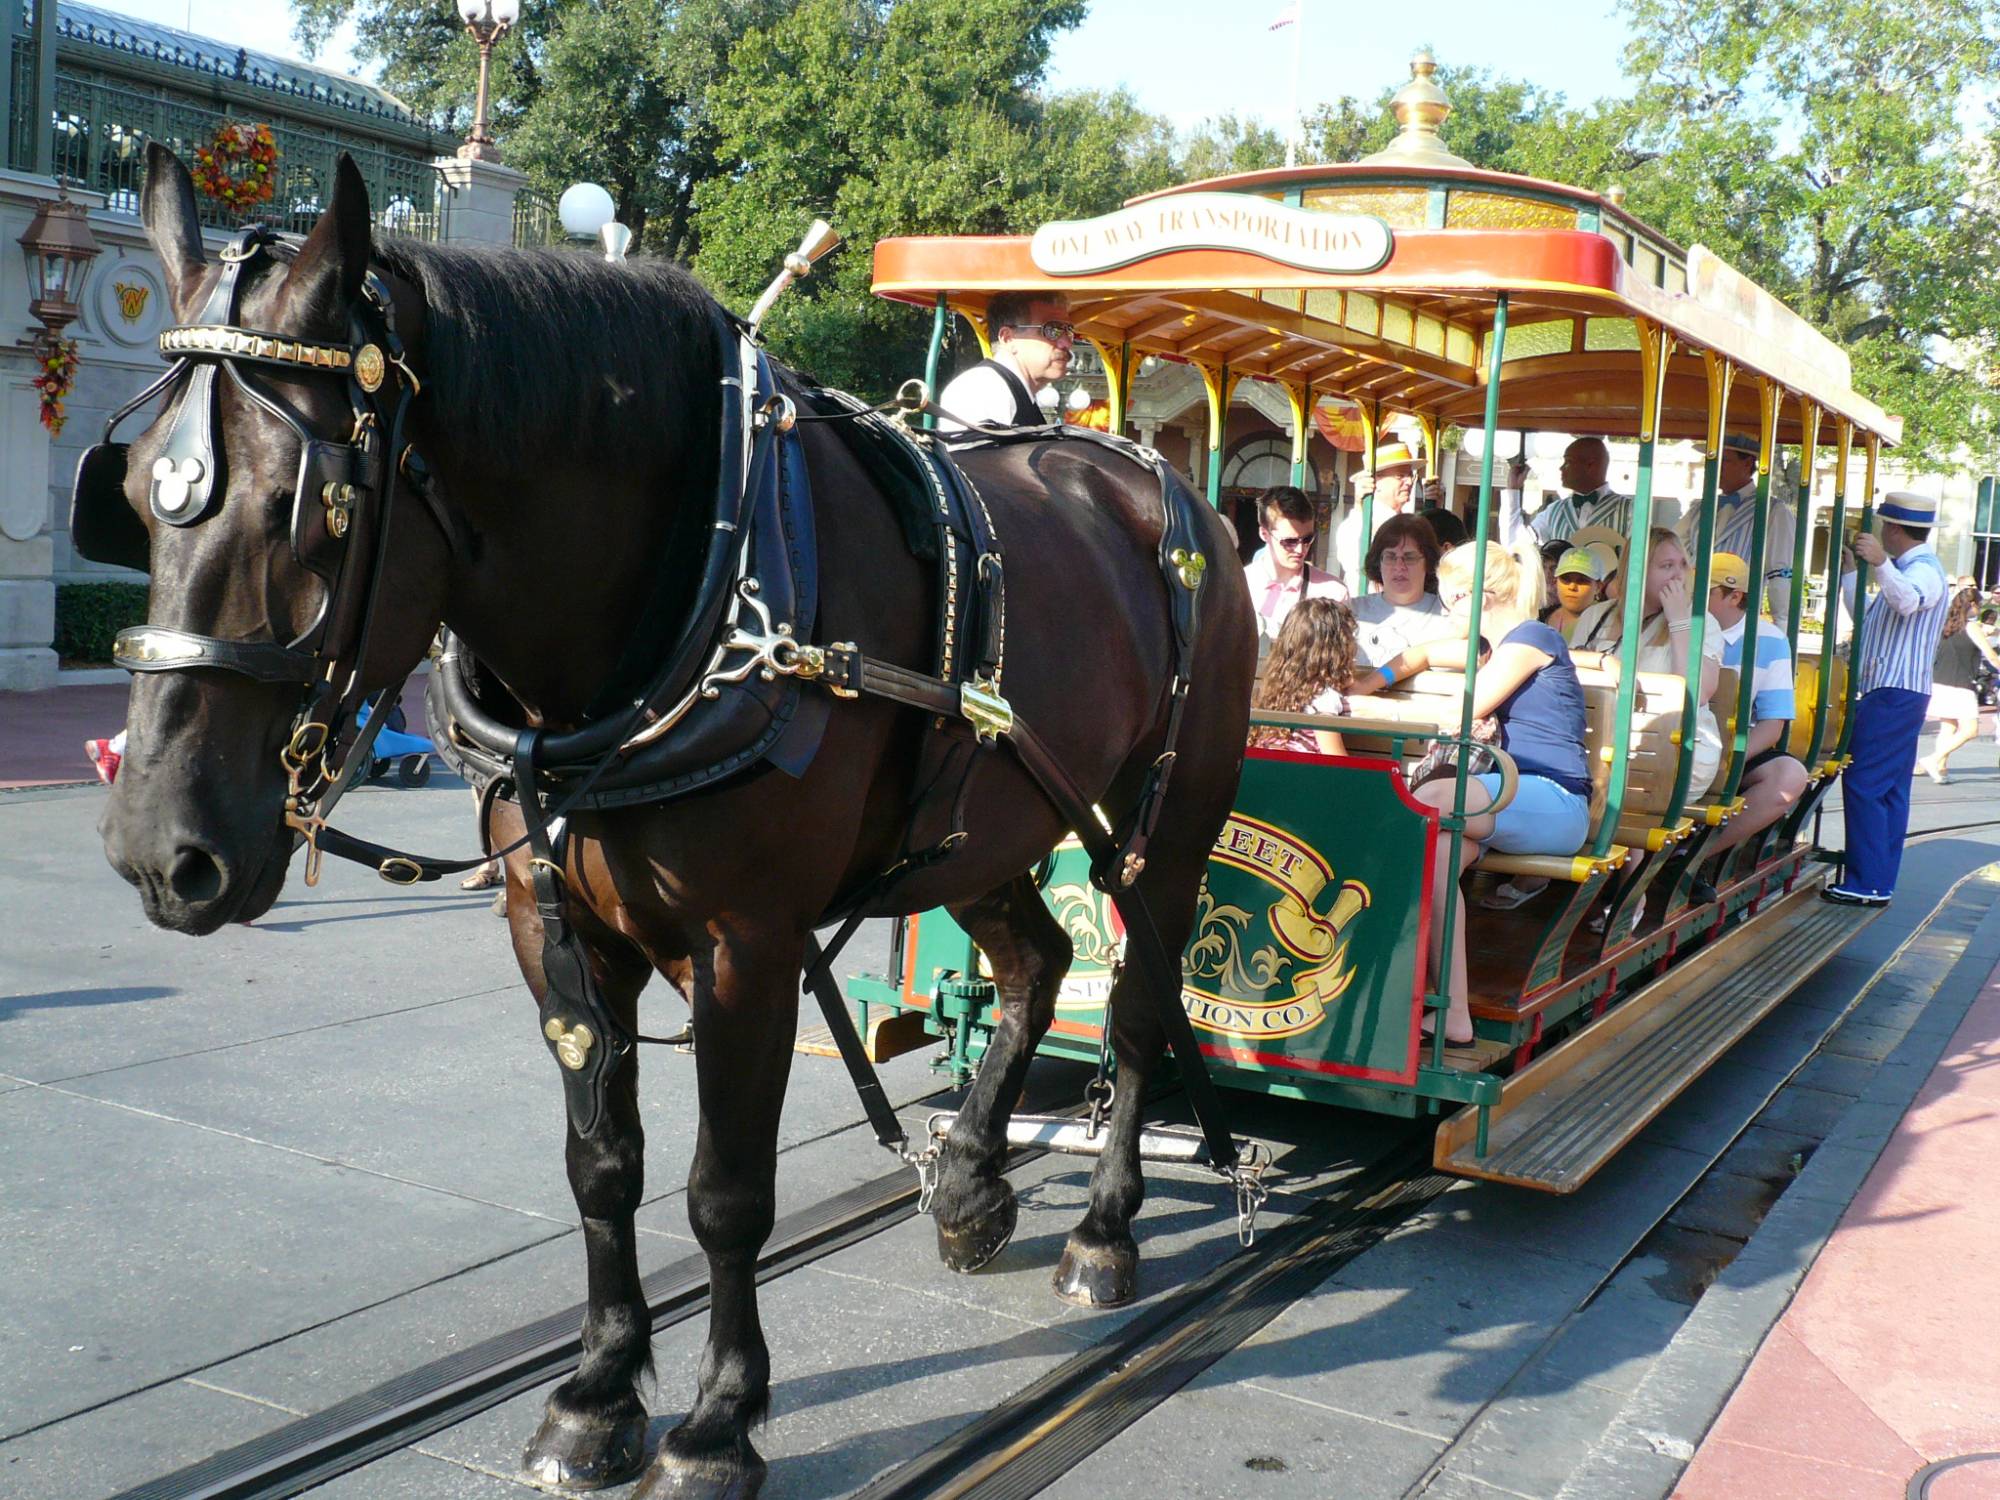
<point>394,745</point>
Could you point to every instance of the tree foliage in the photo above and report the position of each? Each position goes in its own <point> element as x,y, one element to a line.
<point>1824,147</point>
<point>608,91</point>
<point>918,117</point>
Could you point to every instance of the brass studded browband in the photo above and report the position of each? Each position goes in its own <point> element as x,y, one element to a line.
<point>245,343</point>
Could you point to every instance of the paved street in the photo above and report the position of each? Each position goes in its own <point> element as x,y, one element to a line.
<point>248,1176</point>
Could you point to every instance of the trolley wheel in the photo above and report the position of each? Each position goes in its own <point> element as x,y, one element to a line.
<point>377,768</point>
<point>413,770</point>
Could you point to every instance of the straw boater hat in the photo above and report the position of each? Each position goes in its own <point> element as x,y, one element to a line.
<point>1394,455</point>
<point>1599,536</point>
<point>1740,442</point>
<point>1908,509</point>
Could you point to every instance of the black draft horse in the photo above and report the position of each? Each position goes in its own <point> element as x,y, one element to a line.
<point>568,413</point>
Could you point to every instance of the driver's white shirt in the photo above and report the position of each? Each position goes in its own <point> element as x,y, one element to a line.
<point>984,396</point>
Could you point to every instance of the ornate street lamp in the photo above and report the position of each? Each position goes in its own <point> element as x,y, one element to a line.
<point>488,21</point>
<point>59,248</point>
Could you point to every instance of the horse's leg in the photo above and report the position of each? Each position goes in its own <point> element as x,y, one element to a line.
<point>1030,953</point>
<point>1100,1263</point>
<point>593,1431</point>
<point>746,994</point>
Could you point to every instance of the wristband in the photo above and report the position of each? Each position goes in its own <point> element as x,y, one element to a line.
<point>1678,625</point>
<point>1388,677</point>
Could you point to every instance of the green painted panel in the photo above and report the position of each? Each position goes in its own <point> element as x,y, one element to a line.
<point>1304,955</point>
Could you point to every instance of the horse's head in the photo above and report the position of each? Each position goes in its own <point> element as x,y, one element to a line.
<point>281,590</point>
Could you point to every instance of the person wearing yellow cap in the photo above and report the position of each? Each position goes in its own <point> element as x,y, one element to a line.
<point>1395,486</point>
<point>1772,780</point>
<point>1899,641</point>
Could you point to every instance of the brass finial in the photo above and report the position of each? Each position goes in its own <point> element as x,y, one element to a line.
<point>1615,195</point>
<point>1420,107</point>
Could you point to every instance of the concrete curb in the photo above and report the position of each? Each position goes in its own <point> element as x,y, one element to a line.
<point>1652,1439</point>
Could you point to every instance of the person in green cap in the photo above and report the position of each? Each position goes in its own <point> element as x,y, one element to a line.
<point>1579,584</point>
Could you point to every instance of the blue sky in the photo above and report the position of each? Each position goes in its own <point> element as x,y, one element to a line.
<point>1193,59</point>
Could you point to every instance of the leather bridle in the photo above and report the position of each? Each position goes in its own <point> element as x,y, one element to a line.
<point>343,502</point>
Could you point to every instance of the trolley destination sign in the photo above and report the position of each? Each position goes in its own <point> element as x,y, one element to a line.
<point>1336,244</point>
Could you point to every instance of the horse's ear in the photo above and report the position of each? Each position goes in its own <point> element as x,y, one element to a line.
<point>326,277</point>
<point>173,223</point>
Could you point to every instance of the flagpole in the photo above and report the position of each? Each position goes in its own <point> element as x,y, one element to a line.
<point>1298,51</point>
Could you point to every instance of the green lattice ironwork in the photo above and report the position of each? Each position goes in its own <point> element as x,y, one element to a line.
<point>535,221</point>
<point>20,141</point>
<point>102,126</point>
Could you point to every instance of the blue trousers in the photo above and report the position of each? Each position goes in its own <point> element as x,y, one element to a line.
<point>1876,788</point>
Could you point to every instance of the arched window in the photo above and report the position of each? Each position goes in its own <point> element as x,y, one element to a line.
<point>1258,464</point>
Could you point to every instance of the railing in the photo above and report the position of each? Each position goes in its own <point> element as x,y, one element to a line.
<point>535,222</point>
<point>20,122</point>
<point>102,129</point>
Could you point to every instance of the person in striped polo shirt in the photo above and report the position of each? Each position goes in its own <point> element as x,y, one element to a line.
<point>1772,779</point>
<point>1899,640</point>
<point>1736,522</point>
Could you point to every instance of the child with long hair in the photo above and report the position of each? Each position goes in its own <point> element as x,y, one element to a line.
<point>1307,673</point>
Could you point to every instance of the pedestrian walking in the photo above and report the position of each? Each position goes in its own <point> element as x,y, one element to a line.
<point>1962,651</point>
<point>1899,641</point>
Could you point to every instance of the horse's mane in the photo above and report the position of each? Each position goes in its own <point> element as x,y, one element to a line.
<point>531,353</point>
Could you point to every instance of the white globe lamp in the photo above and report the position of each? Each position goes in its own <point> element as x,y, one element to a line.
<point>585,208</point>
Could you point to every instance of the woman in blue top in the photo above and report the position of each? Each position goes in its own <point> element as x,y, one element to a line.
<point>1527,688</point>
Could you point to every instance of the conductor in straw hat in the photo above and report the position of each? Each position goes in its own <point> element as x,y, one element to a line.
<point>1899,641</point>
<point>1396,489</point>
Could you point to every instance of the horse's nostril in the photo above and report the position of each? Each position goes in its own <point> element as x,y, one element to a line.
<point>195,875</point>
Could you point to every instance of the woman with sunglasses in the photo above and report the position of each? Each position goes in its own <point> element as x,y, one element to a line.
<point>1032,338</point>
<point>1401,607</point>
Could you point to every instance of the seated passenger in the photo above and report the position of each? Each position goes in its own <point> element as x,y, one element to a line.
<point>1401,608</point>
<point>1663,641</point>
<point>1307,673</point>
<point>1528,687</point>
<point>1772,779</point>
<point>1282,572</point>
<point>1577,587</point>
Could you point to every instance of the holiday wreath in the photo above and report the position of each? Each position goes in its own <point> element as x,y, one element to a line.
<point>238,167</point>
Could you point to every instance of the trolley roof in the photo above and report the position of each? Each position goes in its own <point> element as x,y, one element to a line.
<point>1276,276</point>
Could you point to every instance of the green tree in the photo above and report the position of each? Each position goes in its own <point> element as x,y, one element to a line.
<point>918,117</point>
<point>1824,147</point>
<point>609,91</point>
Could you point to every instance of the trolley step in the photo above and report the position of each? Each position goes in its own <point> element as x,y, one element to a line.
<point>888,1034</point>
<point>1567,1113</point>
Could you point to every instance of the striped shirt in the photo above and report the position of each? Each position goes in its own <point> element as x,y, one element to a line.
<point>1563,517</point>
<point>1899,636</point>
<point>1735,530</point>
<point>1771,691</point>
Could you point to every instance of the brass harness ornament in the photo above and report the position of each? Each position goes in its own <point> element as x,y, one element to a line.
<point>573,1043</point>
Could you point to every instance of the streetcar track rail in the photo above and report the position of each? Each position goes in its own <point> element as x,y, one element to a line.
<point>417,1403</point>
<point>1014,1450</point>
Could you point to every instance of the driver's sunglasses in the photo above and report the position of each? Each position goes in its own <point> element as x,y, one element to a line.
<point>1054,331</point>
<point>1297,543</point>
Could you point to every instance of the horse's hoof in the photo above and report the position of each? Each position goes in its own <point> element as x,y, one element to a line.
<point>1097,1275</point>
<point>676,1478</point>
<point>966,1248</point>
<point>569,1453</point>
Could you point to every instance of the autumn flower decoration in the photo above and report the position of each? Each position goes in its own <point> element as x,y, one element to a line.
<point>239,167</point>
<point>55,378</point>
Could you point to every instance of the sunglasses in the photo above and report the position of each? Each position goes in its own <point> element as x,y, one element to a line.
<point>1297,543</point>
<point>1054,331</point>
<point>1405,559</point>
